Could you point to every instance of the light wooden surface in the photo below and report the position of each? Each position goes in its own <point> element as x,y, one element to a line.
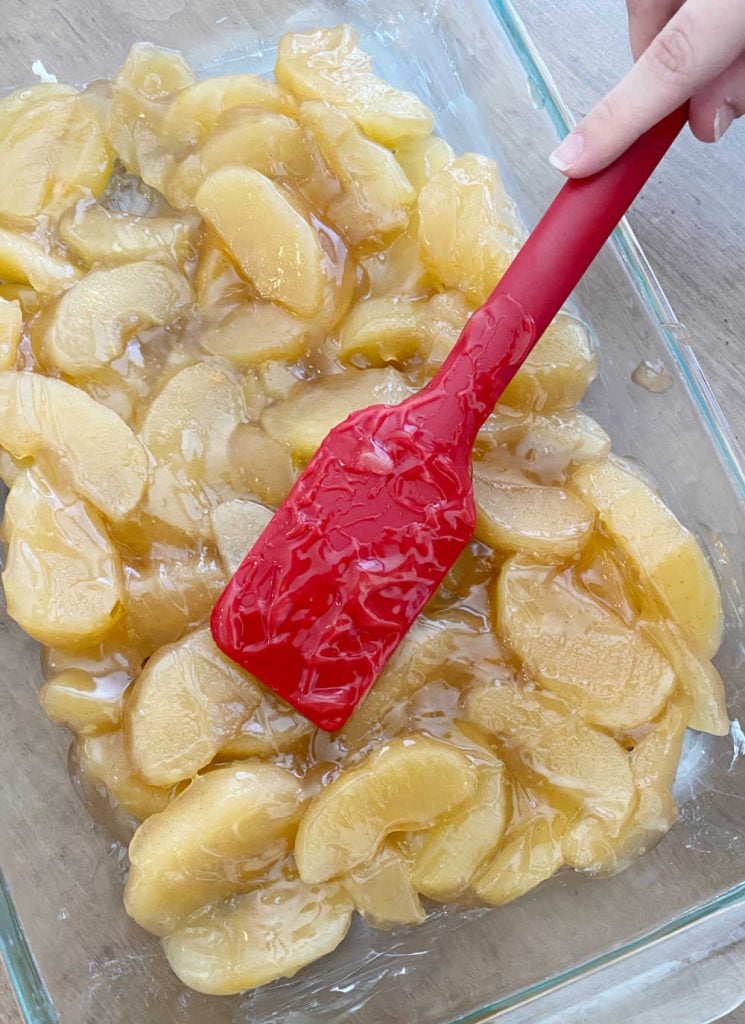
<point>690,220</point>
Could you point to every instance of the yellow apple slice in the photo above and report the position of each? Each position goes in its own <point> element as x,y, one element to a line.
<point>103,761</point>
<point>385,330</point>
<point>85,705</point>
<point>23,261</point>
<point>452,851</point>
<point>11,323</point>
<point>98,235</point>
<point>274,728</point>
<point>383,892</point>
<point>62,577</point>
<point>558,371</point>
<point>580,649</point>
<point>99,454</point>
<point>188,701</point>
<point>377,195</point>
<point>236,526</point>
<point>327,64</point>
<point>312,409</point>
<point>260,465</point>
<point>256,938</point>
<point>468,229</point>
<point>271,240</point>
<point>95,319</point>
<point>422,157</point>
<point>530,854</point>
<point>405,785</point>
<point>256,332</point>
<point>667,555</point>
<point>213,840</point>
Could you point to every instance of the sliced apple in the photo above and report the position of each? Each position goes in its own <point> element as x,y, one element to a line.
<point>398,269</point>
<point>668,556</point>
<point>188,701</point>
<point>62,577</point>
<point>11,323</point>
<point>383,892</point>
<point>265,231</point>
<point>196,110</point>
<point>155,72</point>
<point>85,705</point>
<point>256,332</point>
<point>187,429</point>
<point>580,649</point>
<point>311,411</point>
<point>103,761</point>
<point>516,515</point>
<point>24,261</point>
<point>236,526</point>
<point>260,464</point>
<point>422,157</point>
<point>405,785</point>
<point>377,195</point>
<point>90,444</point>
<point>558,371</point>
<point>256,938</point>
<point>327,64</point>
<point>95,319</point>
<point>98,235</point>
<point>468,228</point>
<point>213,840</point>
<point>452,851</point>
<point>530,854</point>
<point>274,728</point>
<point>385,330</point>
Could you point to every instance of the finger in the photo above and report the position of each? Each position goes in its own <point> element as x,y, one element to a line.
<point>697,44</point>
<point>715,107</point>
<point>646,19</point>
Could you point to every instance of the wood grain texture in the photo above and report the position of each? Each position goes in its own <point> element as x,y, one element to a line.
<point>690,219</point>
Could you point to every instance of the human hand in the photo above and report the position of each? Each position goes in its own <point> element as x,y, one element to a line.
<point>683,50</point>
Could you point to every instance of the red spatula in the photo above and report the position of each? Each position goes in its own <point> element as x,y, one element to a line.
<point>386,504</point>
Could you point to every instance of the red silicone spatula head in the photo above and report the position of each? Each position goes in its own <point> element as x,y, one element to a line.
<point>386,505</point>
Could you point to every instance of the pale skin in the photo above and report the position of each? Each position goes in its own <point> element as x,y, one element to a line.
<point>683,50</point>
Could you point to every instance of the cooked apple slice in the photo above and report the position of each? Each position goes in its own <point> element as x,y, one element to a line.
<point>530,854</point>
<point>578,648</point>
<point>52,153</point>
<point>516,515</point>
<point>448,313</point>
<point>95,319</point>
<point>667,555</point>
<point>398,268</point>
<point>422,157</point>
<point>256,332</point>
<point>260,464</point>
<point>62,577</point>
<point>188,701</point>
<point>236,526</point>
<point>405,785</point>
<point>104,761</point>
<point>83,704</point>
<point>264,230</point>
<point>274,728</point>
<point>468,229</point>
<point>23,261</point>
<point>24,294</point>
<point>558,371</point>
<point>377,195</point>
<point>250,940</point>
<point>698,677</point>
<point>155,72</point>
<point>213,840</point>
<point>271,143</point>
<point>169,591</point>
<point>95,448</point>
<point>385,330</point>
<point>195,111</point>
<point>452,851</point>
<point>585,765</point>
<point>551,446</point>
<point>327,64</point>
<point>98,235</point>
<point>313,409</point>
<point>382,890</point>
<point>187,430</point>
<point>11,322</point>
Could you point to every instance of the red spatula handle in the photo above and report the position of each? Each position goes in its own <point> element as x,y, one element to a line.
<point>542,276</point>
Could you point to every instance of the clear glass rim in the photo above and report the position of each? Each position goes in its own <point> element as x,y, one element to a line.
<point>32,995</point>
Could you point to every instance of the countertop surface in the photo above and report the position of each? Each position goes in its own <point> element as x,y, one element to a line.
<point>690,221</point>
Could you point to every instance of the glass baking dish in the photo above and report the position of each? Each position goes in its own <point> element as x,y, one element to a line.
<point>74,956</point>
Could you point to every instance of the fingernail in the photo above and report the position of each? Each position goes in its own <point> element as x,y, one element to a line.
<point>723,119</point>
<point>568,152</point>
